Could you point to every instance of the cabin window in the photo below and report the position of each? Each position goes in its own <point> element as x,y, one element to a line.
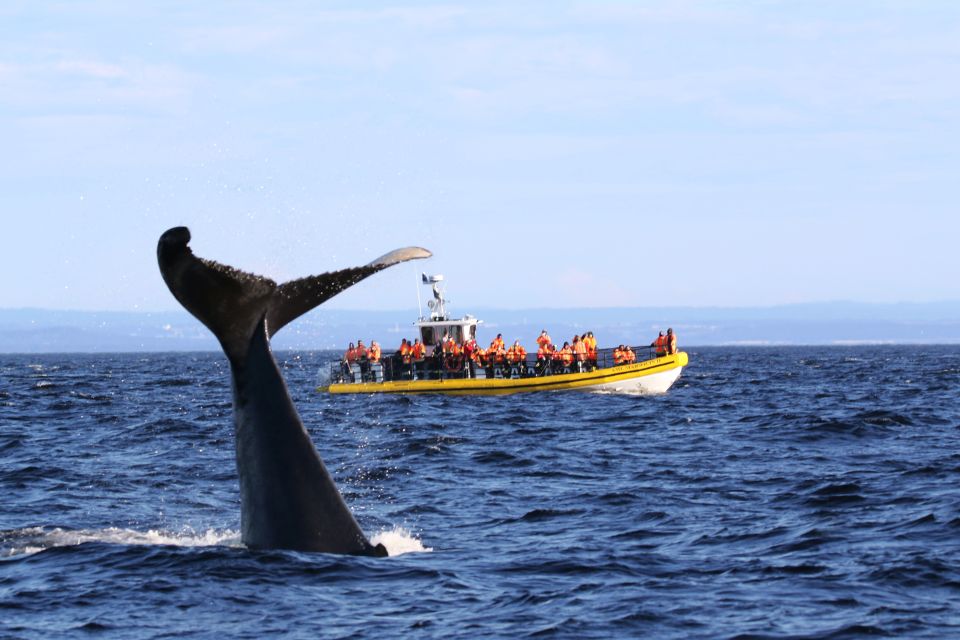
<point>427,337</point>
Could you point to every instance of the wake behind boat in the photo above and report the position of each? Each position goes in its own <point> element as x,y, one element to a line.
<point>445,358</point>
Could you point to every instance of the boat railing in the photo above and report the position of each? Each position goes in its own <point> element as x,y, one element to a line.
<point>393,367</point>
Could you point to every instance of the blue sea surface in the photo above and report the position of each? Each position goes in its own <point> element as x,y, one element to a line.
<point>772,493</point>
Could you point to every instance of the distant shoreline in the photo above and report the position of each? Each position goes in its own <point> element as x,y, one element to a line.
<point>24,331</point>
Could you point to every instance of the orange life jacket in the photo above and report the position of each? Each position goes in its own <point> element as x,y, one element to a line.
<point>418,351</point>
<point>660,345</point>
<point>374,353</point>
<point>543,339</point>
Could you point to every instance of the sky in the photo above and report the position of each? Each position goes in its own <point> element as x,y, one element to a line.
<point>550,154</point>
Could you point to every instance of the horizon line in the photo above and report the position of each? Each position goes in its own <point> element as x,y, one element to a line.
<point>514,309</point>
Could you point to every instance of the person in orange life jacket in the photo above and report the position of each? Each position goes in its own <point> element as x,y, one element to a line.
<point>618,355</point>
<point>363,357</point>
<point>543,357</point>
<point>350,355</point>
<point>516,354</point>
<point>566,354</point>
<point>404,351</point>
<point>496,352</point>
<point>373,353</point>
<point>671,342</point>
<point>579,351</point>
<point>660,345</point>
<point>629,356</point>
<point>591,344</point>
<point>418,351</point>
<point>544,339</point>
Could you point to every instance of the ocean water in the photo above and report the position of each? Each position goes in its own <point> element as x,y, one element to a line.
<point>772,493</point>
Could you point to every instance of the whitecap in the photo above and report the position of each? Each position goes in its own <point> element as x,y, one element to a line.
<point>31,540</point>
<point>399,541</point>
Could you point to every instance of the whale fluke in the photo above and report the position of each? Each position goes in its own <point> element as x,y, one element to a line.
<point>293,299</point>
<point>288,499</point>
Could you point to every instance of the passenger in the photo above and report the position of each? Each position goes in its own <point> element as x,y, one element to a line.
<point>404,351</point>
<point>350,355</point>
<point>671,342</point>
<point>660,345</point>
<point>418,354</point>
<point>361,351</point>
<point>618,356</point>
<point>517,355</point>
<point>579,352</point>
<point>591,344</point>
<point>556,359</point>
<point>566,355</point>
<point>470,356</point>
<point>448,344</point>
<point>543,357</point>
<point>374,352</point>
<point>496,354</point>
<point>629,356</point>
<point>544,339</point>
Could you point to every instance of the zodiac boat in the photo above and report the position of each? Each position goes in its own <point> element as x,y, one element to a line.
<point>437,373</point>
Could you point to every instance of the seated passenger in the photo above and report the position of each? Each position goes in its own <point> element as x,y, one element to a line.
<point>618,356</point>
<point>516,354</point>
<point>629,356</point>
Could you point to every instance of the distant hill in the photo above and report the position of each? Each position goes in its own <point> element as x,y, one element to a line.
<point>36,330</point>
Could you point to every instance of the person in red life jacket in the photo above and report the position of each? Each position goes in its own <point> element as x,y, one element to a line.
<point>470,349</point>
<point>671,342</point>
<point>660,345</point>
<point>544,339</point>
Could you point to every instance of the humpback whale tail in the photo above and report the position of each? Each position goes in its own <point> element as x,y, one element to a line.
<point>288,500</point>
<point>232,303</point>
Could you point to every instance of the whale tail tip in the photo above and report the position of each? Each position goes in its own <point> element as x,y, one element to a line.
<point>233,303</point>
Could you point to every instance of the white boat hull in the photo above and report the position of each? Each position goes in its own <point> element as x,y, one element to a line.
<point>647,385</point>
